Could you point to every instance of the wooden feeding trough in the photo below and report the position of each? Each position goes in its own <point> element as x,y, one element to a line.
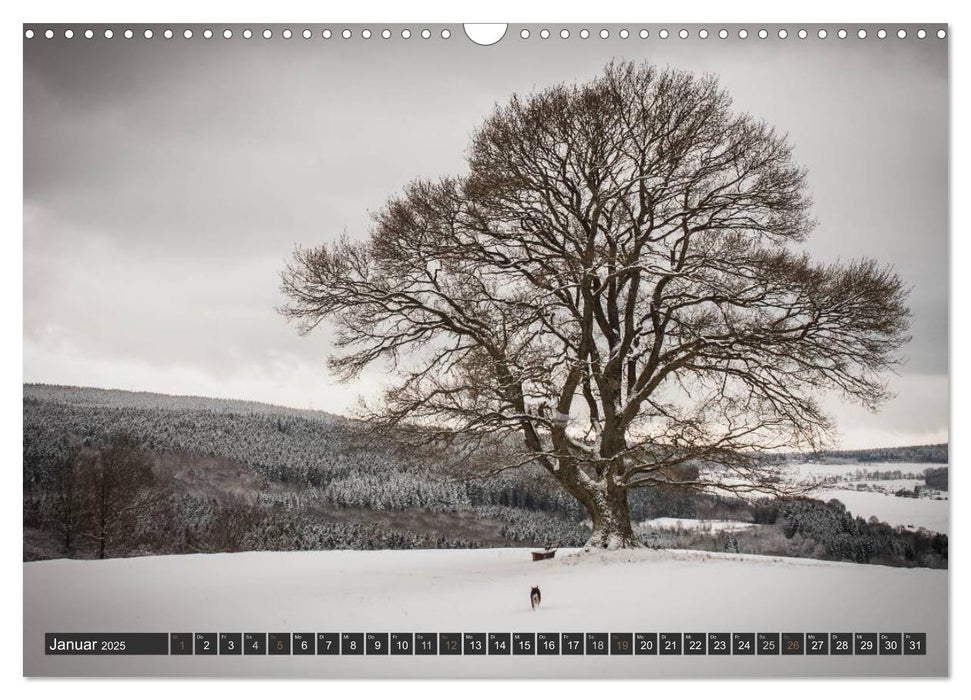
<point>543,554</point>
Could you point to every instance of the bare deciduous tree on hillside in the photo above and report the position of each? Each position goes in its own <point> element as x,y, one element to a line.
<point>113,482</point>
<point>67,508</point>
<point>617,282</point>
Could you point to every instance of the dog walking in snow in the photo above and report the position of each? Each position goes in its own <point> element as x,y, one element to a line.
<point>534,597</point>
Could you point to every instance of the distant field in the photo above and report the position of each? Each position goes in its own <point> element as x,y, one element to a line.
<point>927,513</point>
<point>694,524</point>
<point>848,470</point>
<point>909,512</point>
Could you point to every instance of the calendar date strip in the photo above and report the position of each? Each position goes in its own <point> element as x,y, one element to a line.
<point>488,644</point>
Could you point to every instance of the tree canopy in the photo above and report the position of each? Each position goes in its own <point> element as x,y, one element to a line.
<point>616,280</point>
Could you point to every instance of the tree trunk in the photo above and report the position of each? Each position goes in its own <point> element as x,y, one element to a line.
<point>605,500</point>
<point>611,518</point>
<point>101,538</point>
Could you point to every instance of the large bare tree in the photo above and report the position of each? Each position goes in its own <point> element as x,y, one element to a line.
<point>617,281</point>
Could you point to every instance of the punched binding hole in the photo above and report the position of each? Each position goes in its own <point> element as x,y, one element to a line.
<point>488,34</point>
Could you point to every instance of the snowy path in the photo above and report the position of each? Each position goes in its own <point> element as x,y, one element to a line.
<point>480,591</point>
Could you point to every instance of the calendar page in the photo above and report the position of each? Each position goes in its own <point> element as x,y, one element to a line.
<point>507,351</point>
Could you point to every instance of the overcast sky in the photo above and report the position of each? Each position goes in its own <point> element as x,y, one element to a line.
<point>166,182</point>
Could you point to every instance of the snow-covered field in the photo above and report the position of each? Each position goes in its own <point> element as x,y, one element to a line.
<point>850,469</point>
<point>694,524</point>
<point>890,485</point>
<point>909,512</point>
<point>481,591</point>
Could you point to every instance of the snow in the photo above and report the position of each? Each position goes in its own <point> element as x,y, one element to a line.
<point>695,524</point>
<point>481,591</point>
<point>850,469</point>
<point>927,513</point>
<point>893,510</point>
<point>890,485</point>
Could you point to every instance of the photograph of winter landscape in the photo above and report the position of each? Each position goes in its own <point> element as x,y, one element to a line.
<point>373,329</point>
